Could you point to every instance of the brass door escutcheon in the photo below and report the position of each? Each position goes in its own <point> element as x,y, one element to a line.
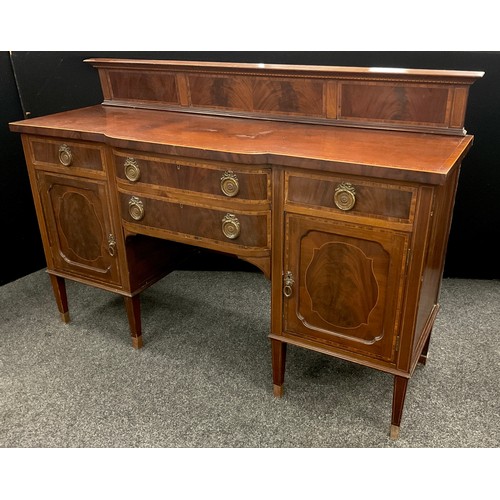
<point>288,284</point>
<point>112,245</point>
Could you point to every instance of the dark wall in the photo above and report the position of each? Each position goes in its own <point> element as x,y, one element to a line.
<point>49,82</point>
<point>21,246</point>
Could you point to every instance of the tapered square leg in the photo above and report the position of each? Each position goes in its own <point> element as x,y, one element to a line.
<point>398,401</point>
<point>278,359</point>
<point>59,288</point>
<point>423,357</point>
<point>133,306</point>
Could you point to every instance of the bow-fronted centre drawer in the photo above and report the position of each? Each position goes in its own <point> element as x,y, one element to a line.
<point>233,231</point>
<point>213,179</point>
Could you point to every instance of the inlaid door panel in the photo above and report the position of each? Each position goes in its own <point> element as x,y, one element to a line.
<point>79,227</point>
<point>346,284</point>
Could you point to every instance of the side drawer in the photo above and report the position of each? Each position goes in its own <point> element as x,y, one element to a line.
<point>69,155</point>
<point>198,225</point>
<point>340,194</point>
<point>219,180</point>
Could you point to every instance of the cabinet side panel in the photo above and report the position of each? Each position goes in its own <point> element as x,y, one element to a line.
<point>37,201</point>
<point>434,261</point>
<point>417,263</point>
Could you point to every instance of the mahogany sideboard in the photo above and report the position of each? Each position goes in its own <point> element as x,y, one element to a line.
<point>337,182</point>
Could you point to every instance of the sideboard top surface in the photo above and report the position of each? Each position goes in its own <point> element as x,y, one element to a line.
<point>398,155</point>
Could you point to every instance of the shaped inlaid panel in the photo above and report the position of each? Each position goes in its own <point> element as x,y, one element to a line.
<point>341,284</point>
<point>79,226</point>
<point>82,233</point>
<point>348,284</point>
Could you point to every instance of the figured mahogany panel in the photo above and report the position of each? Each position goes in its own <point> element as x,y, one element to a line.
<point>372,199</point>
<point>291,96</point>
<point>374,97</point>
<point>151,86</point>
<point>189,175</point>
<point>348,284</point>
<point>79,226</point>
<point>341,284</point>
<point>45,152</point>
<point>198,223</point>
<point>393,102</point>
<point>81,230</point>
<point>221,92</point>
<point>244,93</point>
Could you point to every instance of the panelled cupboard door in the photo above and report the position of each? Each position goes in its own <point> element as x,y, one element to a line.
<point>347,285</point>
<point>79,227</point>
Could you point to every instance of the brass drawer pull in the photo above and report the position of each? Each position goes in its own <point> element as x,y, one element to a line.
<point>132,170</point>
<point>288,283</point>
<point>229,184</point>
<point>65,155</point>
<point>345,196</point>
<point>136,208</point>
<point>231,226</point>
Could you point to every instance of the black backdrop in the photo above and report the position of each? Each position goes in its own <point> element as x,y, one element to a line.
<point>38,83</point>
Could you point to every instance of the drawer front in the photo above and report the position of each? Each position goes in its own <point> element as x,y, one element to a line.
<point>66,154</point>
<point>345,195</point>
<point>214,179</point>
<point>190,223</point>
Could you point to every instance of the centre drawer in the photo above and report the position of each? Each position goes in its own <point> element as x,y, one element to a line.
<point>216,180</point>
<point>190,223</point>
<point>351,196</point>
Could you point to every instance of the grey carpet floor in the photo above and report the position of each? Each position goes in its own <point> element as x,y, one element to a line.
<point>203,378</point>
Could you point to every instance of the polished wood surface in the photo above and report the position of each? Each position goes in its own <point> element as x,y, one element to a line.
<point>198,223</point>
<point>393,155</point>
<point>348,286</point>
<point>200,178</point>
<point>45,153</point>
<point>396,98</point>
<point>379,200</point>
<point>350,222</point>
<point>79,226</point>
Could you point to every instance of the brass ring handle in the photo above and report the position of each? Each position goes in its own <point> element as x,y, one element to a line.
<point>132,170</point>
<point>288,282</point>
<point>65,155</point>
<point>229,183</point>
<point>231,226</point>
<point>111,245</point>
<point>136,208</point>
<point>345,196</point>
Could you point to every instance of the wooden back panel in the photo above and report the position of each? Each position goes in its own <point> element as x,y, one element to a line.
<point>421,100</point>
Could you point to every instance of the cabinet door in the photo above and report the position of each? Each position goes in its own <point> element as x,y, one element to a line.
<point>79,227</point>
<point>347,284</point>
